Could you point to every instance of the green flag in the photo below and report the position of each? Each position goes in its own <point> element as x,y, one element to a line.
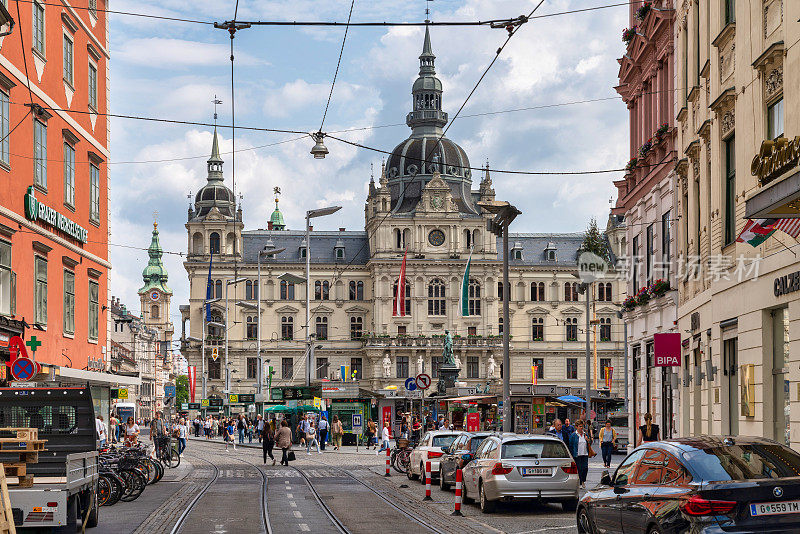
<point>465,288</point>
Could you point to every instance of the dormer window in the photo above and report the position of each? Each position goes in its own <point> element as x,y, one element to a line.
<point>516,251</point>
<point>302,249</point>
<point>340,253</point>
<point>550,252</point>
<point>338,250</point>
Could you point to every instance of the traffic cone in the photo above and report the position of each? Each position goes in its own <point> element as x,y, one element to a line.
<point>459,478</point>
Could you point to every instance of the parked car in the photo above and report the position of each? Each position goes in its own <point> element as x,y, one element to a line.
<point>704,484</point>
<point>457,455</point>
<point>520,467</point>
<point>429,448</point>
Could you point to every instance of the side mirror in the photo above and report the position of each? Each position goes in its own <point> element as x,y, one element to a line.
<point>466,457</point>
<point>605,479</point>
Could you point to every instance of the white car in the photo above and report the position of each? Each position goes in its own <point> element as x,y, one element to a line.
<point>429,448</point>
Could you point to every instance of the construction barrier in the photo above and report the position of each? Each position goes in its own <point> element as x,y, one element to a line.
<point>459,479</point>
<point>427,481</point>
<point>388,452</point>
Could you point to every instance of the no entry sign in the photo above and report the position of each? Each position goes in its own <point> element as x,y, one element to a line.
<point>667,350</point>
<point>24,369</point>
<point>423,381</point>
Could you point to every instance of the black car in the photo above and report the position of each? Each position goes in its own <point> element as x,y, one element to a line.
<point>453,457</point>
<point>704,484</point>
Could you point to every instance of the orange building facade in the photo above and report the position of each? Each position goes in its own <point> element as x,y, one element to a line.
<point>54,182</point>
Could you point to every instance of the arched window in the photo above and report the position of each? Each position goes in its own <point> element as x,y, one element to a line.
<point>436,297</point>
<point>154,311</point>
<point>218,289</point>
<point>287,290</point>
<point>605,328</point>
<point>356,327</point>
<point>197,243</point>
<point>474,291</point>
<point>398,239</point>
<point>608,292</point>
<point>537,291</point>
<point>468,239</point>
<point>407,287</point>
<point>572,328</point>
<point>601,291</point>
<point>322,327</point>
<point>356,290</point>
<point>213,330</point>
<point>287,327</point>
<point>476,237</point>
<point>500,291</point>
<point>571,292</point>
<point>252,327</point>
<point>213,240</point>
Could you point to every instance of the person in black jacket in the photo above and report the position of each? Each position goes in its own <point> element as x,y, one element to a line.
<point>268,440</point>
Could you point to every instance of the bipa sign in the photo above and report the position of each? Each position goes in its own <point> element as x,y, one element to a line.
<point>591,267</point>
<point>667,350</point>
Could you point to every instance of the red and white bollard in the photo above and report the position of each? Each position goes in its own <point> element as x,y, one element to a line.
<point>427,481</point>
<point>387,462</point>
<point>459,478</point>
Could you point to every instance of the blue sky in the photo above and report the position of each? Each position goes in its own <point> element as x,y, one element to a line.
<point>283,74</point>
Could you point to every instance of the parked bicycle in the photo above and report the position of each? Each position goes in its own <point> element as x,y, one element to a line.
<point>124,472</point>
<point>400,458</point>
<point>166,452</point>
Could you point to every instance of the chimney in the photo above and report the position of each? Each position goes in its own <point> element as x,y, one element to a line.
<point>269,225</point>
<point>341,229</point>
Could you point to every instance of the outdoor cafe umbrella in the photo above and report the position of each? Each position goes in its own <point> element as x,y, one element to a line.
<point>571,398</point>
<point>278,408</point>
<point>307,409</point>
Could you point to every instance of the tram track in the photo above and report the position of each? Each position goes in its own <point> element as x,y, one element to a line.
<point>182,518</point>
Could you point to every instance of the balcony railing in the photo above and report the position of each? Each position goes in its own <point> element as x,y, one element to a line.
<point>421,341</point>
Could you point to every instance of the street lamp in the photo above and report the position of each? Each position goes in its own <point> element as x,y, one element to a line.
<point>504,213</point>
<point>319,151</point>
<point>228,283</point>
<point>260,374</point>
<point>310,214</point>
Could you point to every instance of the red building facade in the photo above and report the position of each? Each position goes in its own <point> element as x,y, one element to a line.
<point>53,181</point>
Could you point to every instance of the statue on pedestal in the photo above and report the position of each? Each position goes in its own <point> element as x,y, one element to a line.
<point>447,351</point>
<point>387,367</point>
<point>491,366</point>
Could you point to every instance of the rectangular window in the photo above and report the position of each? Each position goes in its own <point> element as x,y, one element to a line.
<point>649,250</point>
<point>539,363</point>
<point>40,154</point>
<point>402,366</point>
<point>69,175</point>
<point>92,86</point>
<point>665,252</point>
<point>4,129</point>
<point>472,366</point>
<point>605,329</point>
<point>472,330</point>
<point>436,363</point>
<point>537,330</point>
<point>730,11</point>
<point>69,302</point>
<point>322,368</point>
<point>93,7</point>
<point>214,369</point>
<point>401,330</point>
<point>68,47</point>
<point>40,291</point>
<point>356,368</point>
<point>572,329</point>
<point>500,326</point>
<point>287,368</point>
<point>94,188</point>
<point>94,309</point>
<point>605,364</point>
<point>252,367</point>
<point>635,263</point>
<point>38,27</point>
<point>572,368</point>
<point>500,291</point>
<point>6,280</point>
<point>775,119</point>
<point>730,190</point>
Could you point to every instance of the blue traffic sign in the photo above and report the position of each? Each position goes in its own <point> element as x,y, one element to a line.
<point>411,384</point>
<point>169,390</point>
<point>357,422</point>
<point>23,369</point>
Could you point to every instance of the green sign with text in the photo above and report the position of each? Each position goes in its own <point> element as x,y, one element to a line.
<point>37,211</point>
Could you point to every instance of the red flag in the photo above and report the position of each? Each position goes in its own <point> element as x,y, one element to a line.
<point>192,372</point>
<point>399,309</point>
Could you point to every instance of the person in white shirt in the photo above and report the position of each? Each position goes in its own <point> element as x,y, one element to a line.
<point>131,432</point>
<point>385,437</point>
<point>183,431</point>
<point>579,447</point>
<point>102,430</point>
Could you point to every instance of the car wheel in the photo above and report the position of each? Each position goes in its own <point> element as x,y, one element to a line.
<point>585,524</point>
<point>487,506</point>
<point>570,506</point>
<point>654,529</point>
<point>464,498</point>
<point>442,484</point>
<point>422,474</point>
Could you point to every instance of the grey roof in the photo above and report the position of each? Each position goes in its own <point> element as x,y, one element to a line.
<point>534,245</point>
<point>356,247</point>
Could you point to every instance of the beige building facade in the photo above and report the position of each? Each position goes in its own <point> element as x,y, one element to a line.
<point>737,86</point>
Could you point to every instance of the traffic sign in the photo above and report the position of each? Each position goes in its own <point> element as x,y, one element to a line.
<point>215,353</point>
<point>184,406</point>
<point>233,398</point>
<point>24,369</point>
<point>411,384</point>
<point>204,403</point>
<point>169,390</point>
<point>122,393</point>
<point>423,381</point>
<point>357,423</point>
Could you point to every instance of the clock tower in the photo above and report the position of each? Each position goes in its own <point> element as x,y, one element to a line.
<point>155,295</point>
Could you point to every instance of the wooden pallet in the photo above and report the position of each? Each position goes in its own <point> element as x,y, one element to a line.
<point>6,516</point>
<point>18,469</point>
<point>16,444</point>
<point>22,432</point>
<point>20,482</point>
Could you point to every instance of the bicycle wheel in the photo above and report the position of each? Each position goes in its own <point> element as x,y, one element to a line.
<point>148,470</point>
<point>135,481</point>
<point>103,490</point>
<point>159,470</point>
<point>404,460</point>
<point>117,488</point>
<point>174,459</point>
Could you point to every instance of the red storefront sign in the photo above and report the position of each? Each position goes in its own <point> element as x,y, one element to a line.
<point>473,422</point>
<point>667,350</point>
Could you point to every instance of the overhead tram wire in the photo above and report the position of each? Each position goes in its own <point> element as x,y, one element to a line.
<point>512,31</point>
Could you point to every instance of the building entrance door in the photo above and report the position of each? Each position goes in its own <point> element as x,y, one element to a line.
<point>731,378</point>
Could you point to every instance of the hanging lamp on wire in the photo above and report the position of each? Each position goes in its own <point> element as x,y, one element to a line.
<point>319,151</point>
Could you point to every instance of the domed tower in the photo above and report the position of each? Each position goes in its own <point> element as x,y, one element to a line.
<point>413,162</point>
<point>155,294</point>
<point>215,193</point>
<point>276,219</point>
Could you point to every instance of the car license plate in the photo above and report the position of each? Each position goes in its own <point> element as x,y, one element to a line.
<point>533,471</point>
<point>44,509</point>
<point>775,508</point>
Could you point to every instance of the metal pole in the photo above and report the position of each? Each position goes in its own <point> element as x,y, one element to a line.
<point>506,329</point>
<point>308,301</point>
<point>588,353</point>
<point>227,371</point>
<point>625,333</point>
<point>260,373</point>
<point>203,355</point>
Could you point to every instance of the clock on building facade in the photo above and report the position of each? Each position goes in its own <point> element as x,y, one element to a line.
<point>154,296</point>
<point>436,238</point>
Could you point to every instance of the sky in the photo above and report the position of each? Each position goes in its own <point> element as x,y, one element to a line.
<point>173,70</point>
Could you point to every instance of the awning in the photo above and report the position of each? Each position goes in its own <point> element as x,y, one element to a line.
<point>571,398</point>
<point>95,378</point>
<point>470,398</point>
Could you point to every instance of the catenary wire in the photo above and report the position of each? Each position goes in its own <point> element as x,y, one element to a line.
<point>338,64</point>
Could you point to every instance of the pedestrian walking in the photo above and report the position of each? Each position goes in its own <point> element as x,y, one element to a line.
<point>267,438</point>
<point>113,433</point>
<point>311,438</point>
<point>371,428</point>
<point>567,429</point>
<point>250,431</point>
<point>260,426</point>
<point>322,427</point>
<point>301,431</point>
<point>158,431</point>
<point>241,427</point>
<point>207,427</point>
<point>608,440</point>
<point>283,439</point>
<point>182,431</point>
<point>557,430</point>
<point>338,432</point>
<point>404,429</point>
<point>416,429</point>
<point>581,450</point>
<point>648,431</point>
<point>385,436</point>
<point>102,431</point>
<point>230,434</point>
<point>131,432</point>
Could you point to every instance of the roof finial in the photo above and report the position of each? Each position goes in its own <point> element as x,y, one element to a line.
<point>155,221</point>
<point>216,101</point>
<point>428,10</point>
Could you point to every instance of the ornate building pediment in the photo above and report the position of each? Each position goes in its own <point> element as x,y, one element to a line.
<point>572,310</point>
<point>287,309</point>
<point>356,310</point>
<point>538,310</point>
<point>437,197</point>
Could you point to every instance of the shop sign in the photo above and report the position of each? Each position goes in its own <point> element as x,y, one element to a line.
<point>667,350</point>
<point>122,393</point>
<point>775,158</point>
<point>539,390</point>
<point>194,405</point>
<point>473,422</point>
<point>789,283</point>
<point>37,211</point>
<point>339,391</point>
<point>591,267</point>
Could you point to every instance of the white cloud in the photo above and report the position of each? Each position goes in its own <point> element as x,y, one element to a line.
<point>162,53</point>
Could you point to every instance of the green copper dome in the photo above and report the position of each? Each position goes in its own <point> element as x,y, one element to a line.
<point>276,219</point>
<point>155,274</point>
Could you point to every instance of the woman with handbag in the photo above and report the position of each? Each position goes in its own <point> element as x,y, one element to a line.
<point>581,450</point>
<point>283,439</point>
<point>268,440</point>
<point>311,438</point>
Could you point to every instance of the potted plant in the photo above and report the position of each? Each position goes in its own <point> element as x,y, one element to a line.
<point>659,287</point>
<point>645,148</point>
<point>643,10</point>
<point>629,303</point>
<point>630,165</point>
<point>628,34</point>
<point>643,296</point>
<point>662,130</point>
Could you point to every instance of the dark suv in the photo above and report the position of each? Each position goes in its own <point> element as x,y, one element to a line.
<point>453,458</point>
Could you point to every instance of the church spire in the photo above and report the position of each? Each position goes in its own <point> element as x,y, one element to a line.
<point>427,116</point>
<point>215,161</point>
<point>155,274</point>
<point>276,219</point>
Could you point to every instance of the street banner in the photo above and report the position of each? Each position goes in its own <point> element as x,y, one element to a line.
<point>609,375</point>
<point>534,374</point>
<point>192,372</point>
<point>667,349</point>
<point>399,309</point>
<point>465,288</point>
<point>345,370</point>
<point>473,422</point>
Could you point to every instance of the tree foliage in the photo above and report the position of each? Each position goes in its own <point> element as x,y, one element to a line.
<point>594,241</point>
<point>181,389</point>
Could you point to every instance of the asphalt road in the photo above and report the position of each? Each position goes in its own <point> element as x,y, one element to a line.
<point>350,484</point>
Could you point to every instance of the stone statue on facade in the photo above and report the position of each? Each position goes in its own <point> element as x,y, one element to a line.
<point>420,364</point>
<point>387,367</point>
<point>491,366</point>
<point>447,351</point>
